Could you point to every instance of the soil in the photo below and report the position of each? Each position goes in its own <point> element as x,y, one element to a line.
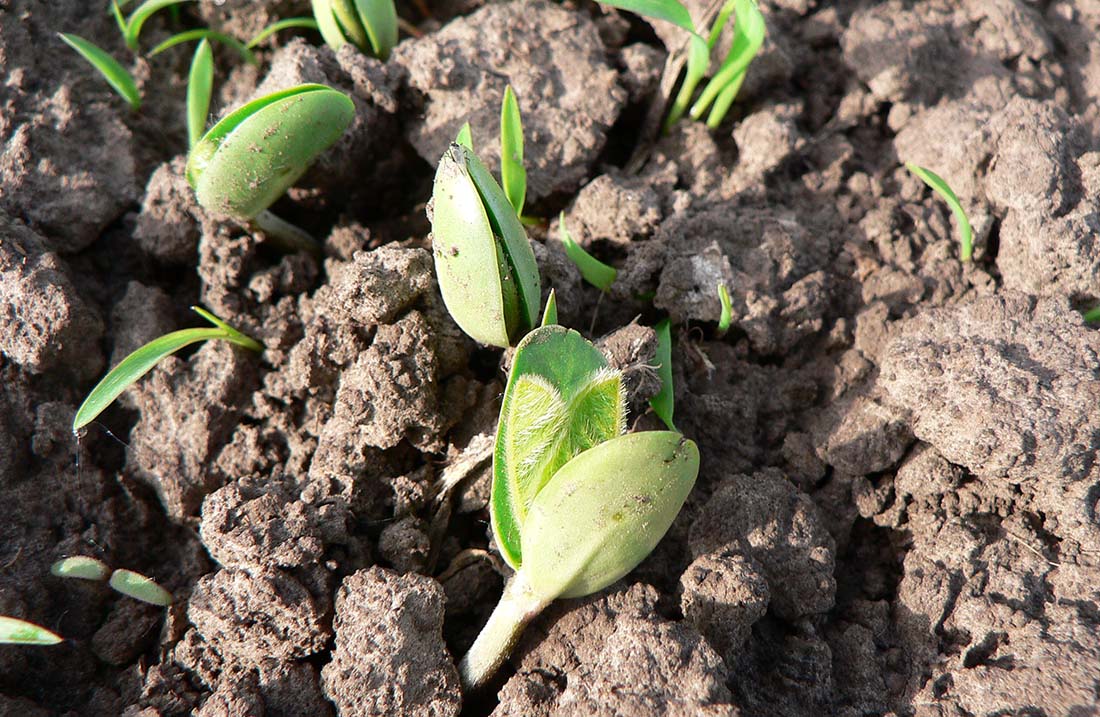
<point>898,510</point>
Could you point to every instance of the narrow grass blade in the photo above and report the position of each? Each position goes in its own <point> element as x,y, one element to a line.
<point>940,187</point>
<point>21,632</point>
<point>724,100</point>
<point>82,567</point>
<point>513,175</point>
<point>141,361</point>
<point>749,33</point>
<point>115,74</point>
<point>204,34</point>
<point>200,86</point>
<point>667,10</point>
<point>550,313</point>
<point>698,59</point>
<point>720,23</point>
<point>1092,316</point>
<point>726,317</point>
<point>465,137</point>
<point>290,22</point>
<point>142,13</point>
<point>120,20</point>
<point>594,271</point>
<point>663,404</point>
<point>139,587</point>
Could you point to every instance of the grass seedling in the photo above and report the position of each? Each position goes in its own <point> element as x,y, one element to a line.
<point>200,87</point>
<point>663,404</point>
<point>20,632</point>
<point>141,361</point>
<point>205,34</point>
<point>550,312</point>
<point>940,187</point>
<point>575,504</point>
<point>370,25</point>
<point>290,22</point>
<point>117,76</point>
<point>513,175</point>
<point>81,567</point>
<point>252,156</point>
<point>139,587</point>
<point>594,271</point>
<point>1092,316</point>
<point>726,317</point>
<point>487,272</point>
<point>134,23</point>
<point>749,32</point>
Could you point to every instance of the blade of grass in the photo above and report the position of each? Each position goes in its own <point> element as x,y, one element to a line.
<point>116,75</point>
<point>749,32</point>
<point>141,361</point>
<point>550,313</point>
<point>698,59</point>
<point>120,20</point>
<point>204,34</point>
<point>142,13</point>
<point>304,22</point>
<point>20,632</point>
<point>200,86</point>
<point>726,317</point>
<point>465,137</point>
<point>667,10</point>
<point>940,187</point>
<point>139,587</point>
<point>594,271</point>
<point>663,403</point>
<point>724,100</point>
<point>513,176</point>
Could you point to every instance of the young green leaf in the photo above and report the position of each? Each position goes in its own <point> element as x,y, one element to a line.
<point>82,567</point>
<point>513,175</point>
<point>1092,316</point>
<point>142,13</point>
<point>663,403</point>
<point>486,269</point>
<point>561,399</point>
<point>667,10</point>
<point>204,34</point>
<point>20,632</point>
<point>726,317</point>
<point>141,361</point>
<point>304,22</point>
<point>200,86</point>
<point>116,75</point>
<point>697,62</point>
<point>116,10</point>
<point>606,510</point>
<point>550,313</point>
<point>749,31</point>
<point>371,25</point>
<point>933,180</point>
<point>139,587</point>
<point>465,137</point>
<point>594,271</point>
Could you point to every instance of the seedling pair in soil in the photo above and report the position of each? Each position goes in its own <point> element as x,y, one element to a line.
<point>14,631</point>
<point>575,503</point>
<point>721,90</point>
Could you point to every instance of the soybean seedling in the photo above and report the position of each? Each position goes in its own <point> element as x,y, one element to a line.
<point>940,187</point>
<point>749,32</point>
<point>575,504</point>
<point>483,260</point>
<point>370,25</point>
<point>594,271</point>
<point>141,361</point>
<point>248,159</point>
<point>117,76</point>
<point>20,632</point>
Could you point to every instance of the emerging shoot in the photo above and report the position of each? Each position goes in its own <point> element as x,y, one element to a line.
<point>726,317</point>
<point>370,25</point>
<point>575,504</point>
<point>486,269</point>
<point>594,271</point>
<point>141,361</point>
<point>940,187</point>
<point>117,76</point>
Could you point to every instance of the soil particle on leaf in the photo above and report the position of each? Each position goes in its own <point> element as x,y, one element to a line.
<point>389,656</point>
<point>45,324</point>
<point>568,94</point>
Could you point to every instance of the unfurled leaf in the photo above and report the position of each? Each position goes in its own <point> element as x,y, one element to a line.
<point>116,75</point>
